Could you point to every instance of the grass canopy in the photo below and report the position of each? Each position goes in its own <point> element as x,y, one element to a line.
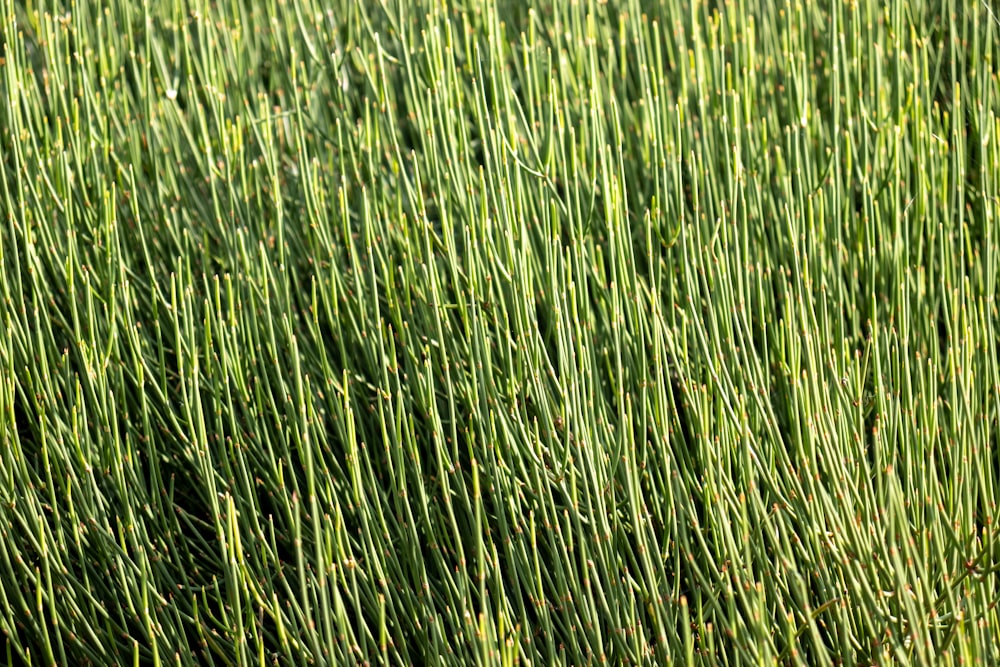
<point>489,332</point>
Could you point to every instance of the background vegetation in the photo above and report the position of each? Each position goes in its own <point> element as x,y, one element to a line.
<point>423,332</point>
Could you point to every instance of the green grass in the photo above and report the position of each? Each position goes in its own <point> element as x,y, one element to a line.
<point>420,332</point>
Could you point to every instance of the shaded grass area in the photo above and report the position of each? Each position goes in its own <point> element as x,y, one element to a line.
<point>413,332</point>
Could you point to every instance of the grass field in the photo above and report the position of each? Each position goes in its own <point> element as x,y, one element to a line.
<point>462,332</point>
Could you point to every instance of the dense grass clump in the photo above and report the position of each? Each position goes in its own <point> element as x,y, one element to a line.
<point>421,332</point>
